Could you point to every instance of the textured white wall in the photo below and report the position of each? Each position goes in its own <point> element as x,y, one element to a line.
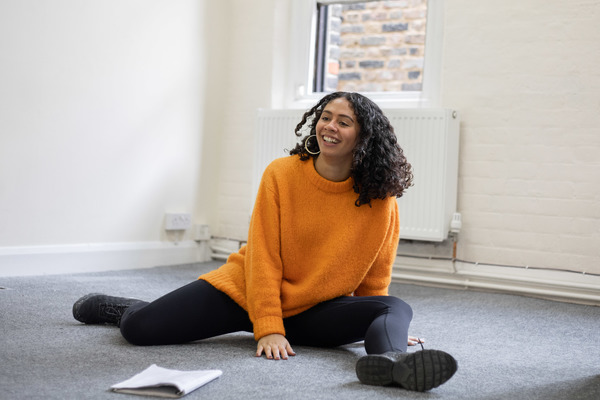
<point>525,76</point>
<point>249,87</point>
<point>100,118</point>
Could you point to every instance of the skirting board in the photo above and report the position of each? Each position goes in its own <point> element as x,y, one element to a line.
<point>78,258</point>
<point>548,284</point>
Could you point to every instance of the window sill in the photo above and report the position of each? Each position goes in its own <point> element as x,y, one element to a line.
<point>384,100</point>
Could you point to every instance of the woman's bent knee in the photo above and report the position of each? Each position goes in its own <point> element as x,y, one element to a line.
<point>133,330</point>
<point>131,334</point>
<point>400,306</point>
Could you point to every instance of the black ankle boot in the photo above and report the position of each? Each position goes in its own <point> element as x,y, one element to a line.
<point>420,371</point>
<point>96,308</point>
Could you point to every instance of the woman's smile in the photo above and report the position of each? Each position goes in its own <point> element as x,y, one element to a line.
<point>330,139</point>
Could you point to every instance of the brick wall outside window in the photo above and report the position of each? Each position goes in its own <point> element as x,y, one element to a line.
<point>376,46</point>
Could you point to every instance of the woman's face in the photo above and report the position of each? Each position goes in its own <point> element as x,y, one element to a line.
<point>337,130</point>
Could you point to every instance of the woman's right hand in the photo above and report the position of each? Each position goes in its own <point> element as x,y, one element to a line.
<point>413,340</point>
<point>275,347</point>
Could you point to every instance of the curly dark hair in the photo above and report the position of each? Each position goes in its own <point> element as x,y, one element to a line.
<point>379,168</point>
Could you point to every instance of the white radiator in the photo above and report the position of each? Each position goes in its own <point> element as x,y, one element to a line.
<point>430,142</point>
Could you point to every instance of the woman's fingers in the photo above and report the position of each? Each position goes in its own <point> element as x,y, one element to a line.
<point>272,352</point>
<point>413,340</point>
<point>279,352</point>
<point>290,351</point>
<point>275,347</point>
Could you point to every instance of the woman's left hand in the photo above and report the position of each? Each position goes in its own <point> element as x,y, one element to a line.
<point>413,340</point>
<point>275,347</point>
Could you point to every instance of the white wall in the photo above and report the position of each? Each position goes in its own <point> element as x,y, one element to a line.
<point>525,76</point>
<point>250,83</point>
<point>101,119</point>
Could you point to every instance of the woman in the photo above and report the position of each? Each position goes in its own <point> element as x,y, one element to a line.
<point>317,266</point>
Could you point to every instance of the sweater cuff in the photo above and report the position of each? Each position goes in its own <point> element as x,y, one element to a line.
<point>268,325</point>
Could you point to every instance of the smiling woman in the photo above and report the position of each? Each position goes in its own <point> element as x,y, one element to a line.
<point>316,268</point>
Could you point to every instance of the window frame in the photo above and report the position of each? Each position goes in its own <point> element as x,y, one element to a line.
<point>301,59</point>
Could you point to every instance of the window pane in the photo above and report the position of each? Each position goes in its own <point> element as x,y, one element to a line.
<point>376,46</point>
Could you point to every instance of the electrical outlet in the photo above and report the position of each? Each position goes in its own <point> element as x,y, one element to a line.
<point>202,233</point>
<point>178,222</point>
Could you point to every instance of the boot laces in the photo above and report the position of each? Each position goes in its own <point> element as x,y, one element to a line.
<point>113,310</point>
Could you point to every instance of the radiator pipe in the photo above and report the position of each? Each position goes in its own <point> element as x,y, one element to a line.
<point>223,253</point>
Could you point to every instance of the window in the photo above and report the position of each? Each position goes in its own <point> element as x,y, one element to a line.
<point>388,50</point>
<point>376,46</point>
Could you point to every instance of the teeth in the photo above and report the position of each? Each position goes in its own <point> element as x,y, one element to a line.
<point>330,140</point>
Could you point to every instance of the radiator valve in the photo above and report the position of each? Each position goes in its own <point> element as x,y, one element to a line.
<point>456,223</point>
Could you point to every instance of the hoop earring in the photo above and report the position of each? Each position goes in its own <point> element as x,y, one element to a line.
<point>306,146</point>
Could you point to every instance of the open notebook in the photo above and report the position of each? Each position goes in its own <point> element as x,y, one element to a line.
<point>163,382</point>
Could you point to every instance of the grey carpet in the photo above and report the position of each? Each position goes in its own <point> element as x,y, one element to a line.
<point>507,347</point>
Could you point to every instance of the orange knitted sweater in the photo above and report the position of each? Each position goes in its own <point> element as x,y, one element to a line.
<point>307,243</point>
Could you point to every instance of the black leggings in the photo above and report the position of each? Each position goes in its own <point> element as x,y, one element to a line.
<point>199,311</point>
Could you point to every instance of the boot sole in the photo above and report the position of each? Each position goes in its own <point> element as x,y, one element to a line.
<point>419,371</point>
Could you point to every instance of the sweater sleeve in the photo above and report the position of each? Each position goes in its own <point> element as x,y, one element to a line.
<point>263,265</point>
<point>379,276</point>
